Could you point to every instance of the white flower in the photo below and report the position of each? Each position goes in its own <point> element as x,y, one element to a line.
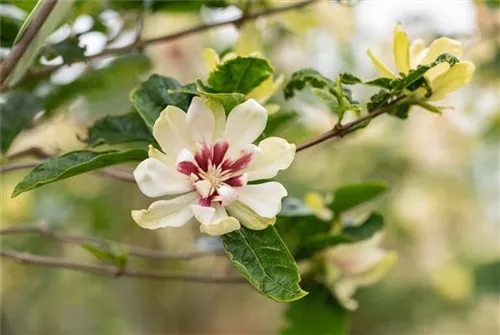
<point>443,79</point>
<point>356,264</point>
<point>207,164</point>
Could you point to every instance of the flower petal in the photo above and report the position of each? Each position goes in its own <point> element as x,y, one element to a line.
<point>264,199</point>
<point>244,125</point>
<point>456,77</point>
<point>219,116</point>
<point>227,195</point>
<point>203,214</point>
<point>416,49</point>
<point>401,49</point>
<point>380,66</point>
<point>166,213</point>
<point>248,217</point>
<point>441,46</point>
<point>220,227</point>
<point>211,59</point>
<point>156,179</point>
<point>172,132</point>
<point>201,121</point>
<point>275,154</point>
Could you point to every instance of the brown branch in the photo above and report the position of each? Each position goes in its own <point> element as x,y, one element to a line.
<point>139,44</point>
<point>44,230</point>
<point>112,271</point>
<point>342,130</point>
<point>22,45</point>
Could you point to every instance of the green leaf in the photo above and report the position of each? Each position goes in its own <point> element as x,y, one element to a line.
<point>304,77</point>
<point>263,258</point>
<point>109,252</point>
<point>350,234</point>
<point>240,75</point>
<point>17,109</point>
<point>327,97</point>
<point>317,314</point>
<point>74,163</point>
<point>55,18</point>
<point>401,111</point>
<point>228,100</point>
<point>153,96</point>
<point>379,99</point>
<point>487,278</point>
<point>68,49</point>
<point>380,82</point>
<point>9,26</point>
<point>352,195</point>
<point>349,79</point>
<point>119,129</point>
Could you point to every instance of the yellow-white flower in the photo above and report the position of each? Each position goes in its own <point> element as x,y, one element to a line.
<point>442,78</point>
<point>357,264</point>
<point>207,164</point>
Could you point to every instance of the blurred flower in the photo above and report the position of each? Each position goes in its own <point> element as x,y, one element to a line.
<point>350,266</point>
<point>452,281</point>
<point>261,93</point>
<point>318,205</point>
<point>214,160</point>
<point>443,78</point>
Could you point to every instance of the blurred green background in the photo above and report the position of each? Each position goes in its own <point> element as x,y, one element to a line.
<point>443,211</point>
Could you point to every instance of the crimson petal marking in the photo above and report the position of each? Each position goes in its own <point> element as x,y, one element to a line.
<point>203,156</point>
<point>242,162</point>
<point>187,168</point>
<point>237,181</point>
<point>219,151</point>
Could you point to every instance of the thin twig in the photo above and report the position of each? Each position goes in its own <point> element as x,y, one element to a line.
<point>340,131</point>
<point>139,44</point>
<point>44,230</point>
<point>22,45</point>
<point>112,271</point>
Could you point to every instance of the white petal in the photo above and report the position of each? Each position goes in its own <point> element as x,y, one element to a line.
<point>440,46</point>
<point>166,213</point>
<point>275,154</point>
<point>416,49</point>
<point>244,125</point>
<point>219,116</point>
<point>344,289</point>
<point>184,156</point>
<point>248,217</point>
<point>200,120</point>
<point>155,179</point>
<point>227,195</point>
<point>203,214</point>
<point>155,153</point>
<point>264,199</point>
<point>172,132</point>
<point>203,187</point>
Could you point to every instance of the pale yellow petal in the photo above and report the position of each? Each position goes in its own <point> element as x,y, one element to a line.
<point>266,89</point>
<point>249,41</point>
<point>416,49</point>
<point>220,227</point>
<point>248,217</point>
<point>380,66</point>
<point>401,49</point>
<point>451,80</point>
<point>211,59</point>
<point>443,45</point>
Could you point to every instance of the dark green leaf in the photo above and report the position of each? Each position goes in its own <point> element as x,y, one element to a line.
<point>380,82</point>
<point>304,77</point>
<point>119,129</point>
<point>317,314</point>
<point>74,163</point>
<point>263,258</point>
<point>153,96</point>
<point>350,234</point>
<point>228,100</point>
<point>379,99</point>
<point>352,195</point>
<point>68,49</point>
<point>349,79</point>
<point>17,109</point>
<point>327,97</point>
<point>9,26</point>
<point>401,111</point>
<point>488,278</point>
<point>240,75</point>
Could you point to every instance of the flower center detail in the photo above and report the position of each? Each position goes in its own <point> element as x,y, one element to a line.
<point>213,174</point>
